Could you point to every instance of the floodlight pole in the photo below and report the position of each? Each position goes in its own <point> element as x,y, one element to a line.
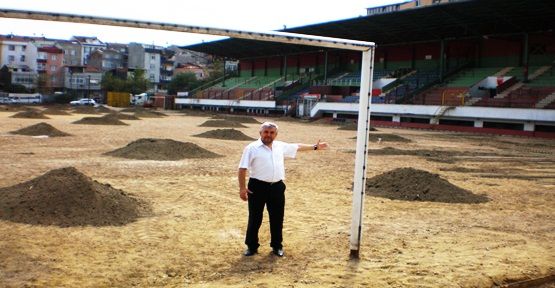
<point>367,49</point>
<point>363,128</point>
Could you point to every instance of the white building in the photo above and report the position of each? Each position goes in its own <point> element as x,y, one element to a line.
<point>18,52</point>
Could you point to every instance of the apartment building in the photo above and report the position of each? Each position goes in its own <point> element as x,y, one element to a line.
<point>106,59</point>
<point>87,46</point>
<point>50,67</point>
<point>148,58</point>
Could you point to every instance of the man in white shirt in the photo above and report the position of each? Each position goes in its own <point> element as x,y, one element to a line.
<point>264,158</point>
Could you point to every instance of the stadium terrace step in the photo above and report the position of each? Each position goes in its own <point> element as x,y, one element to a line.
<point>471,101</point>
<point>504,71</point>
<point>546,101</point>
<point>509,90</point>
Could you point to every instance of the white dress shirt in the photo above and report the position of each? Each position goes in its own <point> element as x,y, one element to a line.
<point>267,164</point>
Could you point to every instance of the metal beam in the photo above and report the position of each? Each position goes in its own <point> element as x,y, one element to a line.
<point>280,37</point>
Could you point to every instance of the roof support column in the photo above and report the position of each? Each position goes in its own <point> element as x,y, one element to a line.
<point>326,67</point>
<point>223,81</point>
<point>442,60</point>
<point>284,67</point>
<point>525,57</point>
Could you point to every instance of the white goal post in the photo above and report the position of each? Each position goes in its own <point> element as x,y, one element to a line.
<point>367,69</point>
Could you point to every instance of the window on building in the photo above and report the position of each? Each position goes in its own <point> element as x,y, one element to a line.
<point>54,57</point>
<point>153,57</point>
<point>23,47</point>
<point>11,47</point>
<point>22,58</point>
<point>53,68</point>
<point>72,52</point>
<point>11,58</point>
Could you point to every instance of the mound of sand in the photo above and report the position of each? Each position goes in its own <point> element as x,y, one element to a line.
<point>122,116</point>
<point>31,114</point>
<point>352,126</point>
<point>90,110</point>
<point>104,109</point>
<point>100,121</point>
<point>149,114</point>
<point>161,149</point>
<point>443,156</point>
<point>225,134</point>
<point>240,119</point>
<point>66,197</point>
<point>417,185</point>
<point>222,123</point>
<point>55,111</point>
<point>132,109</point>
<point>384,137</point>
<point>40,129</point>
<point>11,108</point>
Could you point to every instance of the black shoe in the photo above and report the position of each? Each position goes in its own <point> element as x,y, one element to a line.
<point>278,252</point>
<point>250,252</point>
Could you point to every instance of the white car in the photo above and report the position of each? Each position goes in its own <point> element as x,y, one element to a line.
<point>83,102</point>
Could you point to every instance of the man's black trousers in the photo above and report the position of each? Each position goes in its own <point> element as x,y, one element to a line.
<point>273,196</point>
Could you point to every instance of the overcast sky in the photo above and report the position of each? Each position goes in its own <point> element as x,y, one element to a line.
<point>254,15</point>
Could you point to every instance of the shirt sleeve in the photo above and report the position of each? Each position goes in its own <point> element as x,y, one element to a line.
<point>290,150</point>
<point>245,159</point>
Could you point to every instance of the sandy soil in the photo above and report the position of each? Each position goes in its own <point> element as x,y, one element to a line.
<point>194,238</point>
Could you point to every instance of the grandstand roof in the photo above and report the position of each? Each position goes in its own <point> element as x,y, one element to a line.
<point>462,19</point>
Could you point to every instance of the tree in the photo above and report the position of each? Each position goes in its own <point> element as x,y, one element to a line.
<point>215,70</point>
<point>42,84</point>
<point>135,84</point>
<point>138,82</point>
<point>183,82</point>
<point>5,78</point>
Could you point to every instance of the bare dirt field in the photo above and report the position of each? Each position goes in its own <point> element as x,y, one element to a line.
<point>193,235</point>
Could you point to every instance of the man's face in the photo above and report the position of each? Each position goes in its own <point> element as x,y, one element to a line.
<point>267,135</point>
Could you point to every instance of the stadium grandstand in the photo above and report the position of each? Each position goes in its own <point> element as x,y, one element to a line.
<point>481,66</point>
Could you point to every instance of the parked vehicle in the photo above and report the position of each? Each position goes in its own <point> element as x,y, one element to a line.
<point>139,99</point>
<point>83,102</point>
<point>21,98</point>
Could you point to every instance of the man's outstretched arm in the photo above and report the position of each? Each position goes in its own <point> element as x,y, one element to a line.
<point>318,146</point>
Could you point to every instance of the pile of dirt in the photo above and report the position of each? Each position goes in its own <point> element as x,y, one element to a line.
<point>55,111</point>
<point>149,114</point>
<point>222,123</point>
<point>40,129</point>
<point>240,119</point>
<point>122,116</point>
<point>31,114</point>
<point>132,109</point>
<point>418,185</point>
<point>353,127</point>
<point>225,134</point>
<point>89,110</point>
<point>12,108</point>
<point>443,156</point>
<point>100,121</point>
<point>162,150</point>
<point>104,109</point>
<point>384,137</point>
<point>66,197</point>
